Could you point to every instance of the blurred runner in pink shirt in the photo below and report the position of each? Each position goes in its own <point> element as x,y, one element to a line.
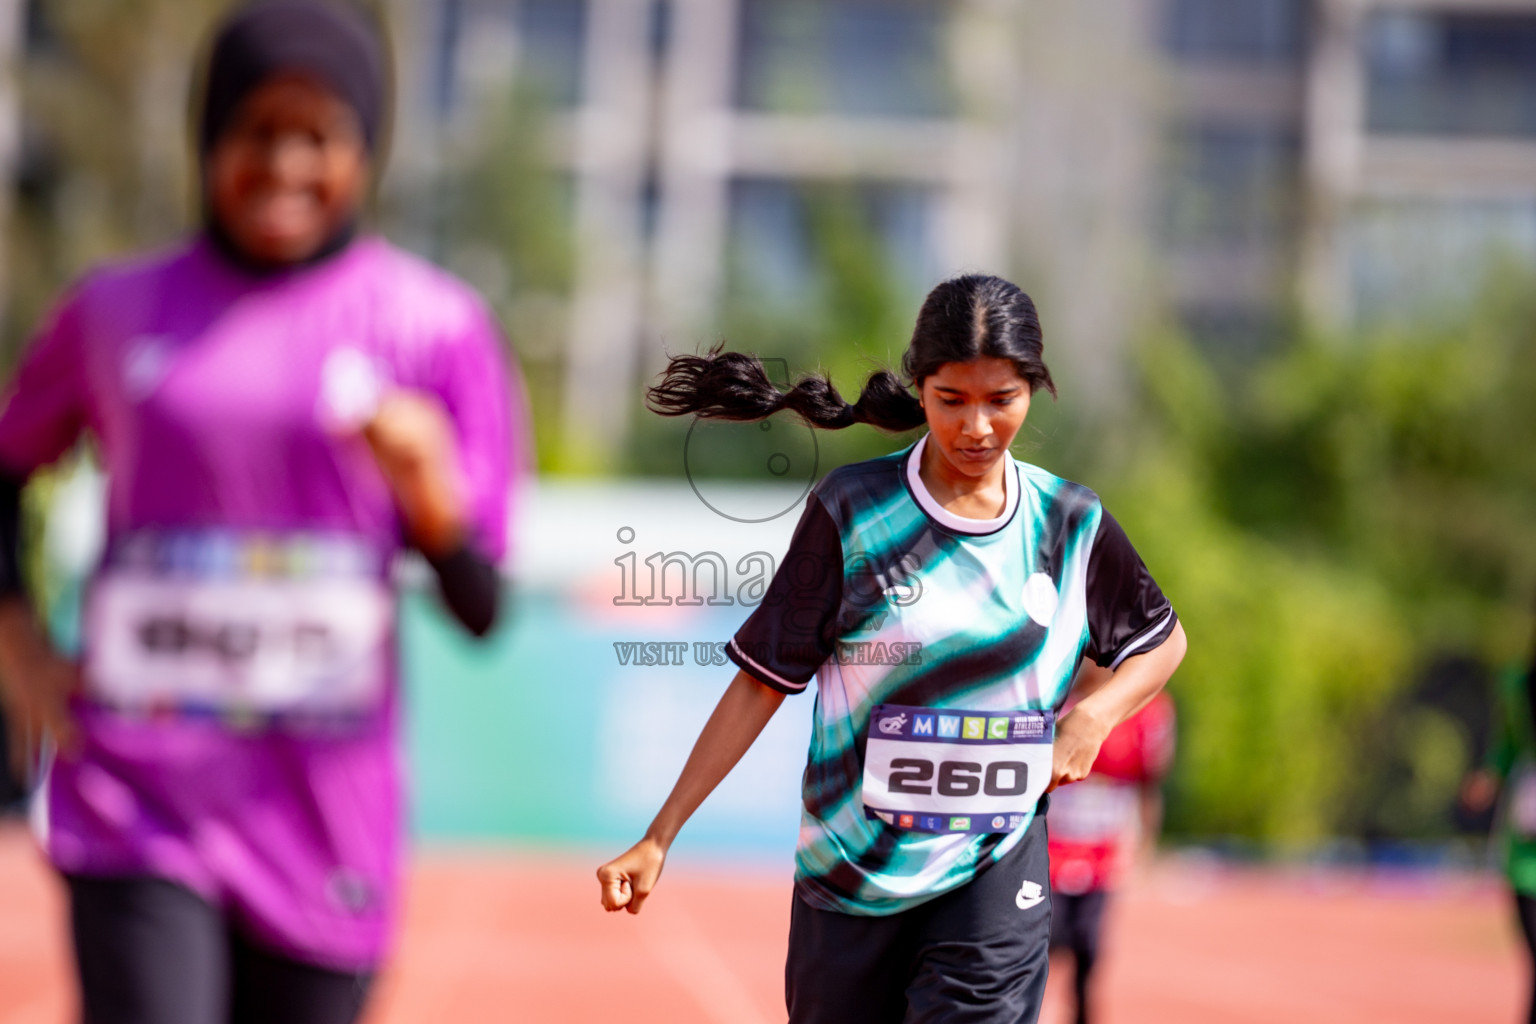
<point>281,406</point>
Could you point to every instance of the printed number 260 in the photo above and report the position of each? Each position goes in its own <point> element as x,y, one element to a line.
<point>959,778</point>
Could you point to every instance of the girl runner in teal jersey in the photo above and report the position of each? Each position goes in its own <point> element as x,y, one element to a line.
<point>942,597</point>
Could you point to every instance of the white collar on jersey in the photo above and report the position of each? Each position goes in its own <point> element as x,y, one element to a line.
<point>946,518</point>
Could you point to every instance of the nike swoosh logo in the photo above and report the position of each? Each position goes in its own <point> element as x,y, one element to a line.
<point>1030,894</point>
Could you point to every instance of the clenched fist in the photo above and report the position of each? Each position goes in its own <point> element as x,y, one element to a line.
<point>1079,735</point>
<point>412,440</point>
<point>629,878</point>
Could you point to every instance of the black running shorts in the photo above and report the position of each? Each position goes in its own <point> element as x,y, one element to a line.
<point>976,955</point>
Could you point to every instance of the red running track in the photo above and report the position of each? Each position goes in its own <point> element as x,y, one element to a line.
<point>497,936</point>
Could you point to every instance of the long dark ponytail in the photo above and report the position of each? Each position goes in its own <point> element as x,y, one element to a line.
<point>963,318</point>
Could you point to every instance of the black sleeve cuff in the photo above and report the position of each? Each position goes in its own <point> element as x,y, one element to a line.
<point>470,586</point>
<point>1150,639</point>
<point>762,673</point>
<point>11,582</point>
<point>1128,613</point>
<point>794,630</point>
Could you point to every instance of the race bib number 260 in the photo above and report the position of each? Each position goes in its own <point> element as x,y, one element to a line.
<point>950,770</point>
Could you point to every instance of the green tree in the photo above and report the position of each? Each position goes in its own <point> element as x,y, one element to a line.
<point>1349,512</point>
<point>502,219</point>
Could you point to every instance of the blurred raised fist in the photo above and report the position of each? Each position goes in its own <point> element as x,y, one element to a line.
<point>413,442</point>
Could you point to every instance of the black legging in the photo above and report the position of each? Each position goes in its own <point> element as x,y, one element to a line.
<point>1075,925</point>
<point>151,952</point>
<point>12,791</point>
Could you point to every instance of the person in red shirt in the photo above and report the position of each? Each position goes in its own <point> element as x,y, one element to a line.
<point>1095,827</point>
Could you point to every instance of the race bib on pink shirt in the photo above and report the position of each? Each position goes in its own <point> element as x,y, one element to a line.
<point>240,626</point>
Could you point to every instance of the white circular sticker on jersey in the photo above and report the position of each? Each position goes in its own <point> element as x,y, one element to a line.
<point>1040,598</point>
<point>350,390</point>
<point>145,365</point>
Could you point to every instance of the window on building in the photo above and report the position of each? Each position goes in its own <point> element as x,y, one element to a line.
<point>39,34</point>
<point>541,41</point>
<point>1231,183</point>
<point>859,57</point>
<point>784,234</point>
<point>1233,336</point>
<point>1411,257</point>
<point>1271,32</point>
<point>552,33</point>
<point>1451,74</point>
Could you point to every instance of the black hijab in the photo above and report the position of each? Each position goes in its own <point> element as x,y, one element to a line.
<point>333,40</point>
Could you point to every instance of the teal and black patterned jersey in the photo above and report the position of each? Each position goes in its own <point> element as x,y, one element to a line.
<point>887,598</point>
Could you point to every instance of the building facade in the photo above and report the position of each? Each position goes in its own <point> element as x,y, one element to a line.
<point>1220,164</point>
